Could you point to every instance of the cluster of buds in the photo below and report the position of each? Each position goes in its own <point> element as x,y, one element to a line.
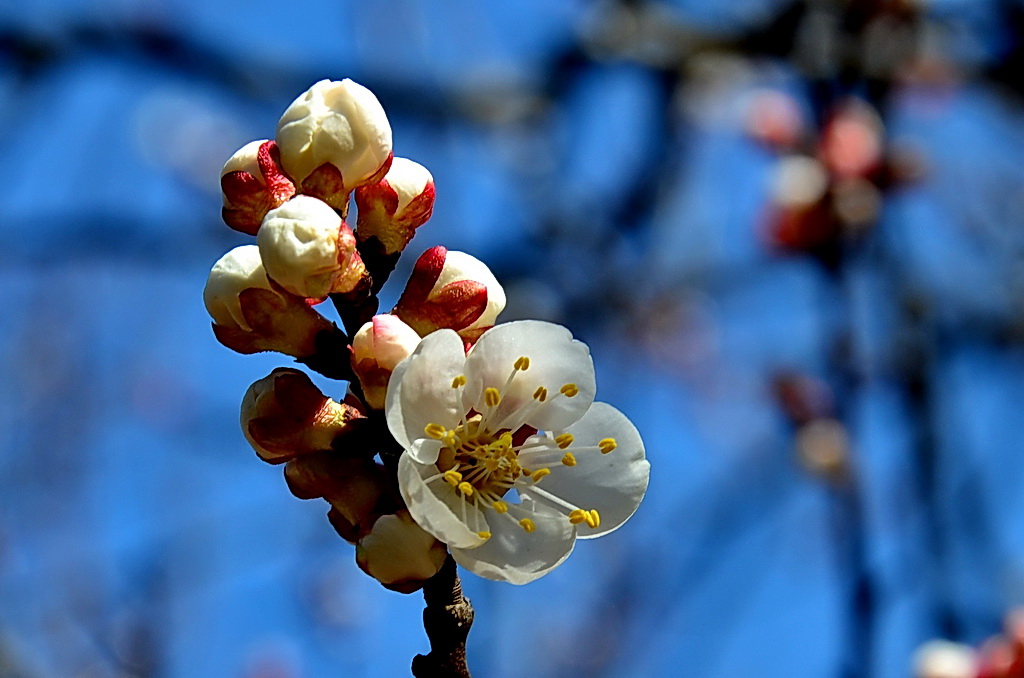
<point>333,144</point>
<point>828,189</point>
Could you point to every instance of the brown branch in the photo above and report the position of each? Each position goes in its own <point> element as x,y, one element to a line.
<point>446,619</point>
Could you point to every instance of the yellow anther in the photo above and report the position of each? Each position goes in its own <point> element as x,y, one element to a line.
<point>522,364</point>
<point>484,534</point>
<point>569,390</point>
<point>459,381</point>
<point>607,445</point>
<point>568,459</point>
<point>526,472</point>
<point>540,394</point>
<point>448,438</point>
<point>527,525</point>
<point>492,398</point>
<point>465,488</point>
<point>500,507</point>
<point>453,478</point>
<point>593,518</point>
<point>504,441</point>
<point>577,516</point>
<point>435,431</point>
<point>563,441</point>
<point>540,473</point>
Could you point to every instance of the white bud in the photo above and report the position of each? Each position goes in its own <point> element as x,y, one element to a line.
<point>944,659</point>
<point>308,249</point>
<point>338,123</point>
<point>398,553</point>
<point>238,270</point>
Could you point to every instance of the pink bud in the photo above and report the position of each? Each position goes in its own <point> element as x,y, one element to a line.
<point>253,183</point>
<point>453,290</point>
<point>377,348</point>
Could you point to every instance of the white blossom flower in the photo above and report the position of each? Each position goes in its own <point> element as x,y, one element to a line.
<point>507,458</point>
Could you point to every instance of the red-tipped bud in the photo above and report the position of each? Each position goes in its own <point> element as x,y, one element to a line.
<point>253,183</point>
<point>285,415</point>
<point>392,209</point>
<point>453,290</point>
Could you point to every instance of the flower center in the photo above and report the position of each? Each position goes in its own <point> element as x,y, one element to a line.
<point>482,458</point>
<point>485,461</point>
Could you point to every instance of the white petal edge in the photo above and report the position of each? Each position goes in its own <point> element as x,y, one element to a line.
<point>435,507</point>
<point>511,554</point>
<point>556,359</point>
<point>613,483</point>
<point>420,392</point>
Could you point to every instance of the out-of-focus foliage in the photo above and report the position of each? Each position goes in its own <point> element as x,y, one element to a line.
<point>835,432</point>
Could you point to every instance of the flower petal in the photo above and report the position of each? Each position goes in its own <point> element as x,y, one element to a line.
<point>437,507</point>
<point>512,554</point>
<point>612,483</point>
<point>420,392</point>
<point>555,359</point>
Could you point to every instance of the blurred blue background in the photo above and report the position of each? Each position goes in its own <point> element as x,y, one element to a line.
<point>608,161</point>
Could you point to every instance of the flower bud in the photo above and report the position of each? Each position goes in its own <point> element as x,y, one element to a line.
<point>308,250</point>
<point>944,659</point>
<point>377,348</point>
<point>355,486</point>
<point>450,290</point>
<point>334,138</point>
<point>249,315</point>
<point>392,209</point>
<point>253,183</point>
<point>285,415</point>
<point>399,554</point>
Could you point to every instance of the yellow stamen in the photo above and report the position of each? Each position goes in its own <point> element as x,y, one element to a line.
<point>492,398</point>
<point>435,431</point>
<point>526,472</point>
<point>569,390</point>
<point>568,459</point>
<point>540,473</point>
<point>577,516</point>
<point>459,381</point>
<point>453,478</point>
<point>607,445</point>
<point>593,518</point>
<point>540,394</point>
<point>527,525</point>
<point>563,441</point>
<point>523,363</point>
<point>500,507</point>
<point>448,438</point>
<point>465,488</point>
<point>484,534</point>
